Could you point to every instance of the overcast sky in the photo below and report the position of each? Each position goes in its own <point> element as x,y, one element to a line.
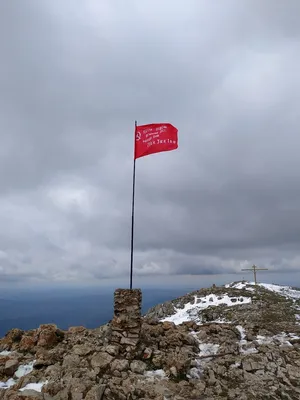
<point>74,75</point>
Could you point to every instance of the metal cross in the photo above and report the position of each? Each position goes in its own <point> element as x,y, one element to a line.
<point>254,269</point>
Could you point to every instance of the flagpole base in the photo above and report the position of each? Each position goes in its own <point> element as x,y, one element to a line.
<point>127,321</point>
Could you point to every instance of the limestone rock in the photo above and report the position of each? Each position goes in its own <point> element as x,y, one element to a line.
<point>76,329</point>
<point>71,361</point>
<point>120,365</point>
<point>112,350</point>
<point>82,350</point>
<point>11,338</point>
<point>138,367</point>
<point>254,354</point>
<point>10,367</point>
<point>96,393</point>
<point>49,335</point>
<point>28,342</point>
<point>101,360</point>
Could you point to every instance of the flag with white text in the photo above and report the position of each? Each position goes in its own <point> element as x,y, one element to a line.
<point>155,138</point>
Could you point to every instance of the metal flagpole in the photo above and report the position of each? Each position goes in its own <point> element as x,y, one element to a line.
<point>132,211</point>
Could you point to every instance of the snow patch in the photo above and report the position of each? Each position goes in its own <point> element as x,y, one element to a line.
<point>21,371</point>
<point>286,291</point>
<point>243,341</point>
<point>245,347</point>
<point>283,338</point>
<point>24,370</point>
<point>280,339</point>
<point>5,385</point>
<point>242,331</point>
<point>239,285</point>
<point>5,353</point>
<point>34,386</point>
<point>191,310</point>
<point>206,350</point>
<point>237,364</point>
<point>155,374</point>
<point>249,350</point>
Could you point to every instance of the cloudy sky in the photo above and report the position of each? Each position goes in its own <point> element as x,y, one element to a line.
<point>74,75</point>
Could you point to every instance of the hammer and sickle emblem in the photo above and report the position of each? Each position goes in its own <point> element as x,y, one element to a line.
<point>138,136</point>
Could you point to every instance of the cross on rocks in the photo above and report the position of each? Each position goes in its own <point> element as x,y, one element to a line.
<point>254,269</point>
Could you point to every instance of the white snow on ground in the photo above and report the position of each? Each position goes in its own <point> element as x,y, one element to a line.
<point>245,347</point>
<point>156,374</point>
<point>239,285</point>
<point>242,332</point>
<point>237,364</point>
<point>34,386</point>
<point>21,371</point>
<point>206,350</point>
<point>283,338</point>
<point>190,310</point>
<point>285,291</point>
<point>8,384</point>
<point>248,350</point>
<point>5,353</point>
<point>24,370</point>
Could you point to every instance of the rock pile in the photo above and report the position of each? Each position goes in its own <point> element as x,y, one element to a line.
<point>245,357</point>
<point>126,324</point>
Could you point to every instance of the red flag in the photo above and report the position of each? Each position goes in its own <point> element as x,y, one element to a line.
<point>154,138</point>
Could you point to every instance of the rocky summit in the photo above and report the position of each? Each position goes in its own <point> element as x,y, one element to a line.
<point>238,341</point>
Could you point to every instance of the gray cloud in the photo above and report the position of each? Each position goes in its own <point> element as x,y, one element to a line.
<point>75,75</point>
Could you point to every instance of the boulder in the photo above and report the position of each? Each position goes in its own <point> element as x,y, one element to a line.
<point>101,360</point>
<point>120,365</point>
<point>137,366</point>
<point>28,342</point>
<point>10,367</point>
<point>49,335</point>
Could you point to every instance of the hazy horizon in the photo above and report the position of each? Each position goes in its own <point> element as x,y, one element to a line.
<point>65,306</point>
<point>193,282</point>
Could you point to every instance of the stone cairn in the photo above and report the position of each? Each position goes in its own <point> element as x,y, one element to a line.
<point>126,323</point>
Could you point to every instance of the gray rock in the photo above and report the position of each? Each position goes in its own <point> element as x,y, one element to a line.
<point>112,350</point>
<point>82,350</point>
<point>129,341</point>
<point>293,371</point>
<point>30,394</point>
<point>76,396</point>
<point>101,360</point>
<point>10,367</point>
<point>120,365</point>
<point>71,361</point>
<point>139,367</point>
<point>93,364</point>
<point>96,393</point>
<point>212,379</point>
